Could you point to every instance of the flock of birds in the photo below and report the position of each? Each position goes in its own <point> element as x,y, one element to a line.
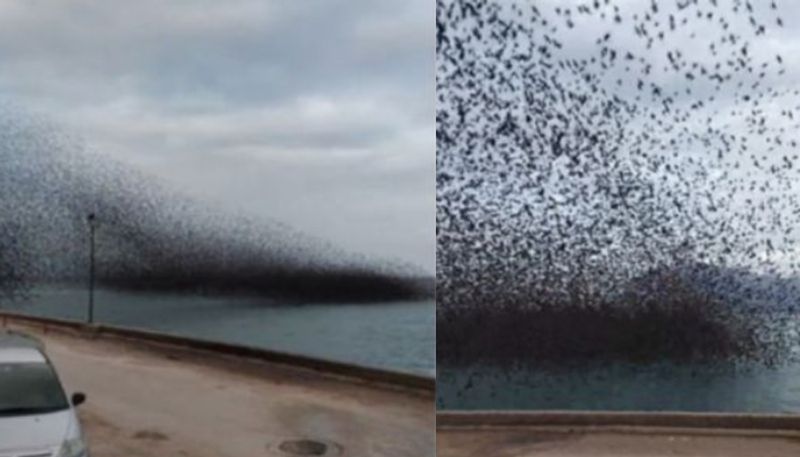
<point>582,145</point>
<point>594,142</point>
<point>149,236</point>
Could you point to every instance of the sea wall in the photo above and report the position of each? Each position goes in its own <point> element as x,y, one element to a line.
<point>392,379</point>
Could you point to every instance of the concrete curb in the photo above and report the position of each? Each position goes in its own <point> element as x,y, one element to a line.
<point>389,378</point>
<point>622,419</point>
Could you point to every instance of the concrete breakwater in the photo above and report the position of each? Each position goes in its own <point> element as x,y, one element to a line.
<point>423,384</point>
<point>577,434</point>
<point>152,394</point>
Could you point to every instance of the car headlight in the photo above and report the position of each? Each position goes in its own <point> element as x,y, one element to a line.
<point>74,447</point>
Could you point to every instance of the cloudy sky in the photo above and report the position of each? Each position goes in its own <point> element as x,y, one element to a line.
<point>749,96</point>
<point>317,113</point>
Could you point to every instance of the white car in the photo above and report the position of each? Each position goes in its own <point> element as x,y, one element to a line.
<point>36,419</point>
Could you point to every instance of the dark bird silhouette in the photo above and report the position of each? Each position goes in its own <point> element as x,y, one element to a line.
<point>599,175</point>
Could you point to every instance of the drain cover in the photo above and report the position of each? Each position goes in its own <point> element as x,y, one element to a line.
<point>304,446</point>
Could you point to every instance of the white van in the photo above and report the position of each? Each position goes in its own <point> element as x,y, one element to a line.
<point>36,419</point>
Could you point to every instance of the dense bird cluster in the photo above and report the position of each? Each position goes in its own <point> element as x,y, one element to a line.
<point>595,158</point>
<point>152,238</point>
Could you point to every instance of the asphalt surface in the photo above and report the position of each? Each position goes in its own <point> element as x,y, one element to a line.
<point>146,400</point>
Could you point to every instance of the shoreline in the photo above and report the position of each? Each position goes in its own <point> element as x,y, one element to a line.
<point>615,434</point>
<point>389,336</point>
<point>394,378</point>
<point>149,395</point>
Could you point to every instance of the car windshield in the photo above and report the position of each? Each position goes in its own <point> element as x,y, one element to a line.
<point>29,388</point>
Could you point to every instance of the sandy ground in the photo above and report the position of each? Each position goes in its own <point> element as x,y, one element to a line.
<point>524,442</point>
<point>153,401</point>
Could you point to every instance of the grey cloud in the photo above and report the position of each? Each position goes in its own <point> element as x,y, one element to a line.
<point>316,113</point>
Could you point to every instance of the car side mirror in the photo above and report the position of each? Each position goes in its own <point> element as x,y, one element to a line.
<point>78,398</point>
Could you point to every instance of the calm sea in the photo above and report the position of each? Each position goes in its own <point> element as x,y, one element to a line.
<point>724,387</point>
<point>395,336</point>
<point>653,387</point>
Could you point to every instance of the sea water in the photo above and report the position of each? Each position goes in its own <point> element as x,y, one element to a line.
<point>397,336</point>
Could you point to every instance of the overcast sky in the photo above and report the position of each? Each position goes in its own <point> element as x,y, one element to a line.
<point>746,97</point>
<point>728,110</point>
<point>317,113</point>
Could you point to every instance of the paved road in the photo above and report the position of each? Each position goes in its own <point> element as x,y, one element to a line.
<point>529,442</point>
<point>146,401</point>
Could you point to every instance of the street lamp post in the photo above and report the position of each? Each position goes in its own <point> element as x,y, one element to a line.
<point>91,219</point>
